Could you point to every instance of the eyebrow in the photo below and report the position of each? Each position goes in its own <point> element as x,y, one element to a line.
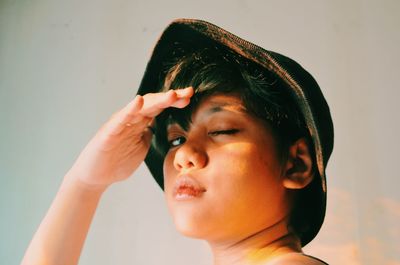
<point>215,108</point>
<point>218,107</point>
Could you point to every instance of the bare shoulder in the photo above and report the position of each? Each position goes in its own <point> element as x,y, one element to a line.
<point>296,259</point>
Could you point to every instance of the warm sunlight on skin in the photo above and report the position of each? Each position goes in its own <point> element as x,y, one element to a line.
<point>112,155</point>
<point>223,179</point>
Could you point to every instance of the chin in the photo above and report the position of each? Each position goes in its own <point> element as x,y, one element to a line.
<point>190,223</point>
<point>189,226</point>
<point>189,231</point>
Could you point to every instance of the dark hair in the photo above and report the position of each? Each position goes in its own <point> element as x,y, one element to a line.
<point>216,69</point>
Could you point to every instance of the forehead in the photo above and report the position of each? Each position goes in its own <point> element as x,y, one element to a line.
<point>220,102</point>
<point>206,107</point>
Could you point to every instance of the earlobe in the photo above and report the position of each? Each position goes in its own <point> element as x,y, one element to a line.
<point>299,166</point>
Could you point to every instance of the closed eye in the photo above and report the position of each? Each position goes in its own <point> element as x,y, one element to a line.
<point>223,132</point>
<point>174,142</point>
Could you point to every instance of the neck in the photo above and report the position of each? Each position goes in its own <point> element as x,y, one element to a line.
<point>257,248</point>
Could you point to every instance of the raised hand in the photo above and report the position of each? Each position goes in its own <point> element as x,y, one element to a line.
<point>123,141</point>
<point>112,155</point>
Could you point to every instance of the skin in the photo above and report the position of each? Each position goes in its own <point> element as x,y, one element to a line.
<point>120,146</point>
<point>243,213</point>
<point>112,155</point>
<point>241,161</point>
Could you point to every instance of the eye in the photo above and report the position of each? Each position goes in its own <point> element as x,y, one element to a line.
<point>176,141</point>
<point>223,132</point>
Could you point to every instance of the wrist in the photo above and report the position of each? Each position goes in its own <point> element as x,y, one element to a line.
<point>72,180</point>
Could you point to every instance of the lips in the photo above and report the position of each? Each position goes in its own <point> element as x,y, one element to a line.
<point>186,187</point>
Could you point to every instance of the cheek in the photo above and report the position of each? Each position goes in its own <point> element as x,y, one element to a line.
<point>168,171</point>
<point>247,176</point>
<point>244,164</point>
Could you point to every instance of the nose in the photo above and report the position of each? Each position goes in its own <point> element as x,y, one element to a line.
<point>190,156</point>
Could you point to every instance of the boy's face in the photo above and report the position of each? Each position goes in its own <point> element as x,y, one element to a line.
<point>223,177</point>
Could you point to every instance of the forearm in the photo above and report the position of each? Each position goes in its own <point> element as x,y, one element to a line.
<point>62,233</point>
<point>112,155</point>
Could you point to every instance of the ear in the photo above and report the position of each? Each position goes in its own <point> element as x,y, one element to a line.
<point>299,166</point>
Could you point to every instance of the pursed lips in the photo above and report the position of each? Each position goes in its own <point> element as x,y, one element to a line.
<point>187,187</point>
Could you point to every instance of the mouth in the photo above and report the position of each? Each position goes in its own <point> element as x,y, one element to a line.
<point>187,188</point>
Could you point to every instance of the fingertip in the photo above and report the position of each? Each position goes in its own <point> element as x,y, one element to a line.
<point>139,99</point>
<point>185,92</point>
<point>191,89</point>
<point>137,103</point>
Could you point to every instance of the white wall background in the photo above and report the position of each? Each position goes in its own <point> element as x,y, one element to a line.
<point>66,66</point>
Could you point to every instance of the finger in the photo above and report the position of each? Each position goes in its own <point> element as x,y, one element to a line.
<point>125,117</point>
<point>186,92</point>
<point>155,103</point>
<point>131,113</point>
<point>181,103</point>
<point>135,105</point>
<point>136,113</point>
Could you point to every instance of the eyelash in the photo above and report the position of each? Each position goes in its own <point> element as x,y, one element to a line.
<point>228,132</point>
<point>213,133</point>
